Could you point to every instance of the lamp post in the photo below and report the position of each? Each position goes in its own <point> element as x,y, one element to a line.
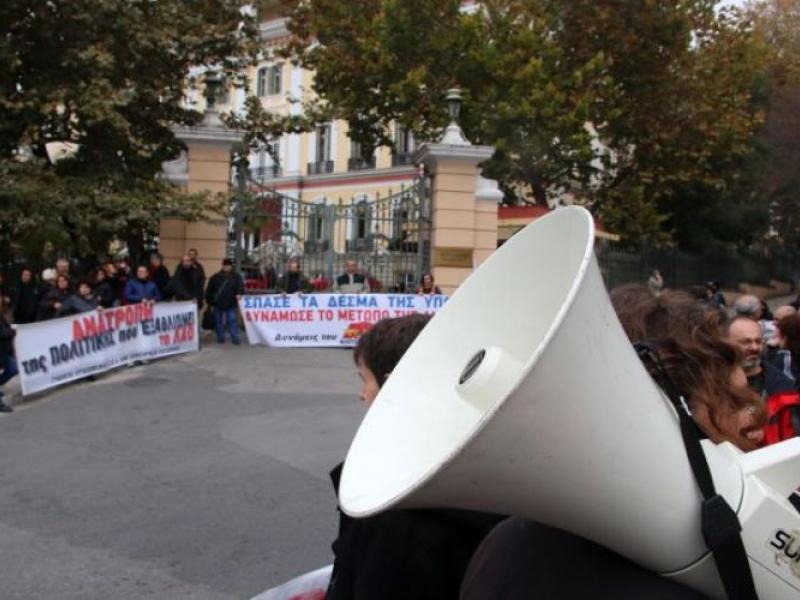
<point>453,135</point>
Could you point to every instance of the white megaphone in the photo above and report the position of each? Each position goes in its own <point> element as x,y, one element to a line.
<point>524,396</point>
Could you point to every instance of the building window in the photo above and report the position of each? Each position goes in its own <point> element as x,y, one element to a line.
<point>362,220</point>
<point>403,145</point>
<point>323,143</point>
<point>357,158</point>
<point>316,222</point>
<point>269,81</point>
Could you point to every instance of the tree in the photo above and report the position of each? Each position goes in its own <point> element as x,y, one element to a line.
<point>624,109</point>
<point>777,24</point>
<point>108,76</point>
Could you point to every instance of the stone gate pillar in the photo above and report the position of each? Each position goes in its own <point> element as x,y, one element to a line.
<point>205,166</point>
<point>464,207</point>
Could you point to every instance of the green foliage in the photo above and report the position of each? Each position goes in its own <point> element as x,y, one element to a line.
<point>629,111</point>
<point>109,76</point>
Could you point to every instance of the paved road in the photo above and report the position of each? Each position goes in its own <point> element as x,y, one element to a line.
<point>200,477</point>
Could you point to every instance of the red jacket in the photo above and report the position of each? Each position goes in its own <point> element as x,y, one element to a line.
<point>782,403</point>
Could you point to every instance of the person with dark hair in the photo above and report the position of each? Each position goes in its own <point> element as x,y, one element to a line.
<point>714,297</point>
<point>159,275</point>
<point>400,554</point>
<point>783,406</point>
<point>293,281</point>
<point>192,254</point>
<point>8,366</point>
<point>53,299</point>
<point>187,282</point>
<point>119,277</point>
<point>83,300</point>
<point>427,285</point>
<point>26,297</point>
<point>521,559</point>
<point>103,290</point>
<point>140,288</point>
<point>224,289</point>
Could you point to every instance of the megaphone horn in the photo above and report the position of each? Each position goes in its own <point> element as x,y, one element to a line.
<point>523,396</point>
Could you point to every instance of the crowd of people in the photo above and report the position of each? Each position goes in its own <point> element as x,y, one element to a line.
<point>738,369</point>
<point>58,292</point>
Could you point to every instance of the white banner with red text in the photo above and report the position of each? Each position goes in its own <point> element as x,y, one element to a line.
<point>53,352</point>
<point>325,319</point>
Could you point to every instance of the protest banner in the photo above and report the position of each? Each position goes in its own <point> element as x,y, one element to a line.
<point>325,319</point>
<point>53,352</point>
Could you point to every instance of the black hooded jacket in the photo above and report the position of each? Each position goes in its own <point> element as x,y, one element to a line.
<point>403,554</point>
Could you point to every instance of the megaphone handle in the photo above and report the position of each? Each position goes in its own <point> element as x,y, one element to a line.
<point>720,525</point>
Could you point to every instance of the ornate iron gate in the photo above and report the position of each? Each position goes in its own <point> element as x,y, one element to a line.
<point>388,236</point>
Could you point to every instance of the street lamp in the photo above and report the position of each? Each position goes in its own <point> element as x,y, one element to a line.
<point>453,103</point>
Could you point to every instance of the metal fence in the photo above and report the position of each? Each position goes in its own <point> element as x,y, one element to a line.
<point>681,269</point>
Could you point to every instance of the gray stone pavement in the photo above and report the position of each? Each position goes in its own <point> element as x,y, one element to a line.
<point>201,477</point>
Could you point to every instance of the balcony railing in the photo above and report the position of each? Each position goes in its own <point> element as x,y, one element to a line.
<point>401,159</point>
<point>269,172</point>
<point>319,167</point>
<point>359,163</point>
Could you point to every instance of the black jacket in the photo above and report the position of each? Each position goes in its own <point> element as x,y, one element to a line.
<point>187,284</point>
<point>104,292</point>
<point>521,560</point>
<point>47,308</point>
<point>223,289</point>
<point>289,283</point>
<point>404,554</point>
<point>26,302</point>
<point>7,334</point>
<point>160,276</point>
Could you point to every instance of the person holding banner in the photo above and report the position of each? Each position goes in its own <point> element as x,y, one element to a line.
<point>427,286</point>
<point>293,281</point>
<point>140,288</point>
<point>222,294</point>
<point>351,281</point>
<point>54,299</point>
<point>7,362</point>
<point>83,300</point>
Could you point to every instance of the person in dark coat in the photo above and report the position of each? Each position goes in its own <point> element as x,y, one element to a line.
<point>400,554</point>
<point>83,300</point>
<point>26,297</point>
<point>159,275</point>
<point>52,301</point>
<point>140,288</point>
<point>103,288</point>
<point>224,289</point>
<point>187,282</point>
<point>7,362</point>
<point>293,281</point>
<point>519,560</point>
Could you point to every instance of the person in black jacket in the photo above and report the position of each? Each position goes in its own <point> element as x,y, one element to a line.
<point>159,275</point>
<point>26,297</point>
<point>53,299</point>
<point>187,282</point>
<point>224,289</point>
<point>400,554</point>
<point>7,362</point>
<point>103,288</point>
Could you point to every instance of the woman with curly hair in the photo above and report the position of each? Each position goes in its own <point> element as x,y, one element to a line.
<point>521,559</point>
<point>689,340</point>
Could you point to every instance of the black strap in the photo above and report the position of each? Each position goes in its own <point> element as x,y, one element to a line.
<point>720,525</point>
